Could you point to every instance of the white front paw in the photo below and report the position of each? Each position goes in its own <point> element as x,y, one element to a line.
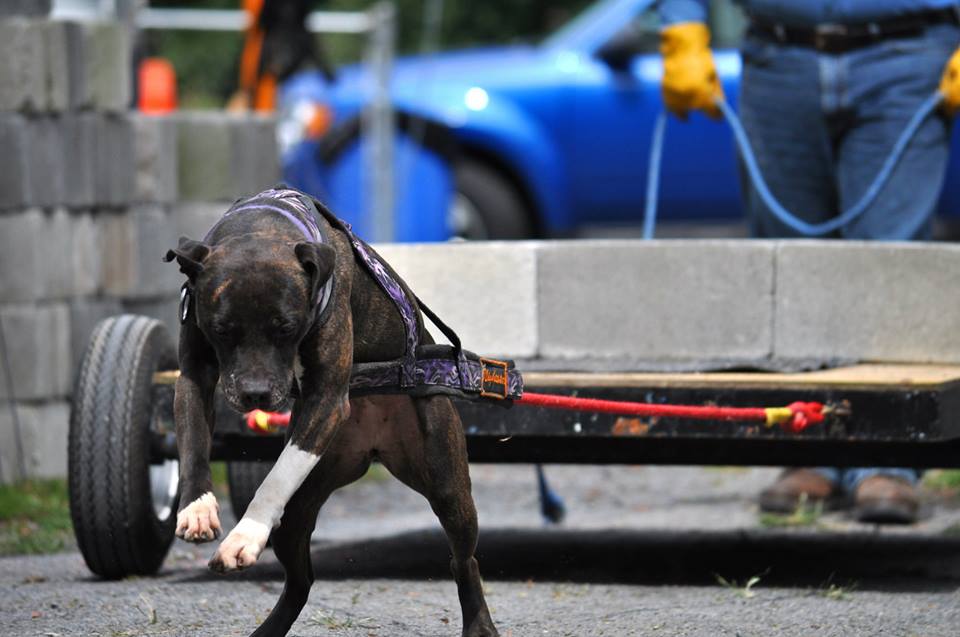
<point>241,547</point>
<point>199,521</point>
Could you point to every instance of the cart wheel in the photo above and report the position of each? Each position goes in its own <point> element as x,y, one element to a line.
<point>243,479</point>
<point>123,506</point>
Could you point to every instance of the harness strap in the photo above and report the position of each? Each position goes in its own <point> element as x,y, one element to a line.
<point>423,369</point>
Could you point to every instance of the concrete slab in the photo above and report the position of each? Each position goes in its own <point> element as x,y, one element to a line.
<point>486,292</point>
<point>662,300</point>
<point>891,302</point>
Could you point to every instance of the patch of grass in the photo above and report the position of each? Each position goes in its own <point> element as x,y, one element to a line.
<point>943,480</point>
<point>330,620</point>
<point>218,474</point>
<point>746,591</point>
<point>836,592</point>
<point>376,473</point>
<point>34,517</point>
<point>806,514</point>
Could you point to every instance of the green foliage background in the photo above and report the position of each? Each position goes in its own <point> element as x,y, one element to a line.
<point>206,62</point>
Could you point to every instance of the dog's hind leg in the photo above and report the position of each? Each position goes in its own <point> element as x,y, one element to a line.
<point>430,456</point>
<point>291,540</point>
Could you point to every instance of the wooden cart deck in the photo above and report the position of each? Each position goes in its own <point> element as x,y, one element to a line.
<point>890,415</point>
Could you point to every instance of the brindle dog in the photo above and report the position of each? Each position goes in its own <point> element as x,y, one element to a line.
<point>251,326</point>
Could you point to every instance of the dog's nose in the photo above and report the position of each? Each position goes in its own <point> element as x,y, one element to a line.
<point>254,392</point>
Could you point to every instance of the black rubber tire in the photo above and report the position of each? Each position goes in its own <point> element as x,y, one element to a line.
<point>500,209</point>
<point>243,479</point>
<point>108,459</point>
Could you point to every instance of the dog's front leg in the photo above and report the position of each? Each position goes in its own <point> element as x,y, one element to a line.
<point>314,423</point>
<point>198,520</point>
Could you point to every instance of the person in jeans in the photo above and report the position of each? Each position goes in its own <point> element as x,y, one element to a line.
<point>826,89</point>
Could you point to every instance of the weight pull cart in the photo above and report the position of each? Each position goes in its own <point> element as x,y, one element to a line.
<point>123,468</point>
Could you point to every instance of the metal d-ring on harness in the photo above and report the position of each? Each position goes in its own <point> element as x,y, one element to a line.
<point>753,170</point>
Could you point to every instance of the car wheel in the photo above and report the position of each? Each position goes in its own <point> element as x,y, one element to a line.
<point>486,206</point>
<point>123,502</point>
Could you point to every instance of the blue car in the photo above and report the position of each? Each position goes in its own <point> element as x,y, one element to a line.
<point>525,141</point>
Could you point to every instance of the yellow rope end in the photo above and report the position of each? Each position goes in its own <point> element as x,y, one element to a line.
<point>262,419</point>
<point>778,415</point>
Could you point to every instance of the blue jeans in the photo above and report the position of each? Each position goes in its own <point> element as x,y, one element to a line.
<point>822,125</point>
<point>849,479</point>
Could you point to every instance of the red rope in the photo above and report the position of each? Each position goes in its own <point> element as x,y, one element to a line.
<point>625,408</point>
<point>794,417</point>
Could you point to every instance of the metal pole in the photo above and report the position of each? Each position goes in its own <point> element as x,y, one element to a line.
<point>379,124</point>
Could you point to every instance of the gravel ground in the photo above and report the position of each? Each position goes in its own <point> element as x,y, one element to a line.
<point>638,554</point>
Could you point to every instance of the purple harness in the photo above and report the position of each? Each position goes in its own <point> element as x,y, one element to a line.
<point>424,369</point>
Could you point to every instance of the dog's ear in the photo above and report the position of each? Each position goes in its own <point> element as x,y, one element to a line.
<point>317,259</point>
<point>189,255</point>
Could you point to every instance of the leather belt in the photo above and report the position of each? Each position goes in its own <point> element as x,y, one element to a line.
<point>841,38</point>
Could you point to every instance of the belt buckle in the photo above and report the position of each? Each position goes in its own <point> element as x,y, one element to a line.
<point>493,374</point>
<point>823,34</point>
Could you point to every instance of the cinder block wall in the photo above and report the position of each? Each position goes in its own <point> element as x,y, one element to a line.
<point>92,195</point>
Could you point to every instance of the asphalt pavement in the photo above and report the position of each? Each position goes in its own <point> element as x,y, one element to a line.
<point>643,551</point>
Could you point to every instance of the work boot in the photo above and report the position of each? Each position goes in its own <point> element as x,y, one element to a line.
<point>884,499</point>
<point>795,486</point>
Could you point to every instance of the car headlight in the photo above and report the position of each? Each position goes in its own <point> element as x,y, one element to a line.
<point>302,120</point>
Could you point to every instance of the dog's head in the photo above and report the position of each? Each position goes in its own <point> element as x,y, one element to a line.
<point>254,301</point>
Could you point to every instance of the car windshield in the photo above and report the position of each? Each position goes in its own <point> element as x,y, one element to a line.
<point>593,22</point>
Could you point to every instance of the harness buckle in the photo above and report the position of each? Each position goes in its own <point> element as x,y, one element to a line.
<point>494,379</point>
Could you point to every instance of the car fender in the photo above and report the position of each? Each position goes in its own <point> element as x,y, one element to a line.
<point>502,132</point>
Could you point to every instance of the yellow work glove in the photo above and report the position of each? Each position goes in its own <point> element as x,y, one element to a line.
<point>950,84</point>
<point>689,75</point>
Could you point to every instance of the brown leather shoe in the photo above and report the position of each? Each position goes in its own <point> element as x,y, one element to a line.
<point>785,495</point>
<point>884,499</point>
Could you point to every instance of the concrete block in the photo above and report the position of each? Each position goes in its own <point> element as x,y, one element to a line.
<point>193,219</point>
<point>204,148</point>
<point>46,256</point>
<point>15,162</point>
<point>155,144</point>
<point>155,234</point>
<point>77,69</point>
<point>24,258</point>
<point>57,72</point>
<point>38,341</point>
<point>85,313</point>
<point>22,65</point>
<point>107,65</point>
<point>72,247</point>
<point>163,309</point>
<point>133,245</point>
<point>256,159</point>
<point>25,7</point>
<point>656,301</point>
<point>486,292</point>
<point>891,302</point>
<point>80,134</point>
<point>43,437</point>
<point>118,237</point>
<point>46,156</point>
<point>115,167</point>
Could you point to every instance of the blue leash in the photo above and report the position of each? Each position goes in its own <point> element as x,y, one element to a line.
<point>753,170</point>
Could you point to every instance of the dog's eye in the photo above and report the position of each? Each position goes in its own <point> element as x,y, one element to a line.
<point>284,326</point>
